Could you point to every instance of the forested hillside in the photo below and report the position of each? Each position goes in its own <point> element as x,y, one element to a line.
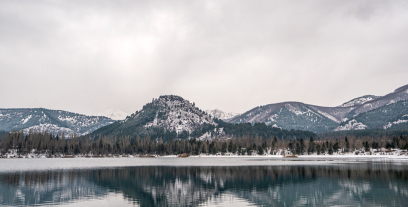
<point>52,121</point>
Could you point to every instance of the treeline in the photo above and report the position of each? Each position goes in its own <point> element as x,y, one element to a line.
<point>348,144</point>
<point>366,133</point>
<point>55,146</point>
<point>233,130</point>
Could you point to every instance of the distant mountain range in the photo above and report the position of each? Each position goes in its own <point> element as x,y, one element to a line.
<point>114,114</point>
<point>171,116</point>
<point>366,112</point>
<point>53,121</point>
<point>216,113</point>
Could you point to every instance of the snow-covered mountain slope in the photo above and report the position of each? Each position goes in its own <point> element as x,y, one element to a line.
<point>176,114</point>
<point>390,116</point>
<point>216,113</point>
<point>167,117</point>
<point>294,115</point>
<point>399,94</point>
<point>359,101</point>
<point>348,116</point>
<point>53,121</point>
<point>114,114</point>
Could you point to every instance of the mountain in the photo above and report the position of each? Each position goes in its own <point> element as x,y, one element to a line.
<point>225,116</point>
<point>53,121</point>
<point>359,101</point>
<point>167,117</point>
<point>113,114</point>
<point>295,115</point>
<point>399,94</point>
<point>365,112</point>
<point>382,112</point>
<point>391,116</point>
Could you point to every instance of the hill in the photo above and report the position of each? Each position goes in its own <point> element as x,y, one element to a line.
<point>167,117</point>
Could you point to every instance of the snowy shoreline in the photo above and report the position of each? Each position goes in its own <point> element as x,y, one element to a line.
<point>393,155</point>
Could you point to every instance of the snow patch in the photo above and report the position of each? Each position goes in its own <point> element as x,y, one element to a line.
<point>51,128</point>
<point>351,125</point>
<point>395,122</point>
<point>276,126</point>
<point>67,119</point>
<point>328,116</point>
<point>26,119</point>
<point>359,101</point>
<point>272,118</point>
<point>391,102</point>
<point>294,109</point>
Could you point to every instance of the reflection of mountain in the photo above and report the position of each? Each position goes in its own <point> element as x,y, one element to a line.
<point>45,188</point>
<point>351,184</point>
<point>157,186</point>
<point>262,185</point>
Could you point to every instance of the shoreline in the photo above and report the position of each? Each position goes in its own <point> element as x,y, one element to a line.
<point>349,155</point>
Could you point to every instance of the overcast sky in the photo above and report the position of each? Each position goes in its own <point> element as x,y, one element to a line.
<point>88,56</point>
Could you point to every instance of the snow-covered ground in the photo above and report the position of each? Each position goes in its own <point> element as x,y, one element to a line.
<point>392,154</point>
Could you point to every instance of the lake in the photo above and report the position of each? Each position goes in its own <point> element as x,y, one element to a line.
<point>205,181</point>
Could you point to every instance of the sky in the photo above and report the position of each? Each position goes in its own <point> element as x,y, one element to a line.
<point>88,56</point>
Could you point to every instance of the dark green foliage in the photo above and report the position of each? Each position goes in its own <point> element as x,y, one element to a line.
<point>396,142</point>
<point>297,146</point>
<point>291,146</point>
<point>366,146</point>
<point>45,143</point>
<point>336,146</point>
<point>330,151</point>
<point>381,116</point>
<point>234,148</point>
<point>367,133</point>
<point>312,147</point>
<point>310,119</point>
<point>375,145</point>
<point>323,148</point>
<point>223,148</point>
<point>260,130</point>
<point>347,147</point>
<point>318,148</point>
<point>230,146</point>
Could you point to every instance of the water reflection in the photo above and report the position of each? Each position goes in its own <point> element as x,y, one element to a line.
<point>358,184</point>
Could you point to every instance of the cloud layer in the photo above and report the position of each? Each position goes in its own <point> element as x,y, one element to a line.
<point>88,56</point>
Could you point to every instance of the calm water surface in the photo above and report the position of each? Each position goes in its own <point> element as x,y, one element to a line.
<point>203,182</point>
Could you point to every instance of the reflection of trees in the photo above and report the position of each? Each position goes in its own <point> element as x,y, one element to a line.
<point>348,184</point>
<point>42,187</point>
<point>263,185</point>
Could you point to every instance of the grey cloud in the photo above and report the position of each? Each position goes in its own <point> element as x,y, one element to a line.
<point>86,56</point>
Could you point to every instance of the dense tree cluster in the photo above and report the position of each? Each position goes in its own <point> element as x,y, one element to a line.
<point>45,143</point>
<point>260,130</point>
<point>236,130</point>
<point>345,145</point>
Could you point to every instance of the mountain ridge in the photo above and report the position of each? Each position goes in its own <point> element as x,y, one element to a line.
<point>301,116</point>
<point>53,121</point>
